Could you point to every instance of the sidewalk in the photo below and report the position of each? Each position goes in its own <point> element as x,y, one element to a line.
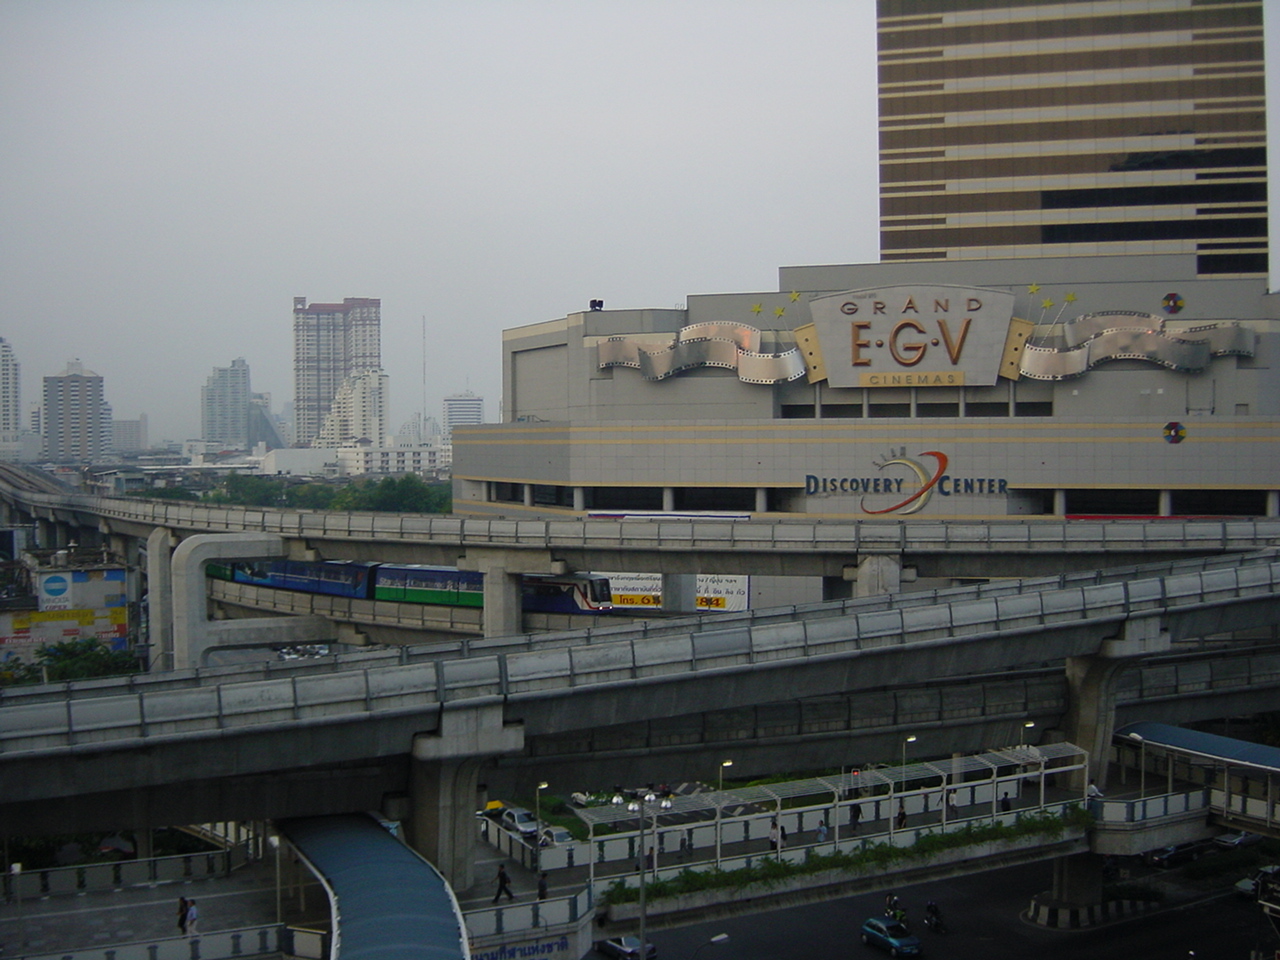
<point>52,924</point>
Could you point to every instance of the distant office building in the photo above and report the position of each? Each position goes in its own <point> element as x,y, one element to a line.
<point>331,342</point>
<point>76,415</point>
<point>129,436</point>
<point>10,393</point>
<point>462,409</point>
<point>358,412</point>
<point>224,406</point>
<point>1010,129</point>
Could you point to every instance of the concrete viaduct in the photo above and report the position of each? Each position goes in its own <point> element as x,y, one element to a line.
<point>410,731</point>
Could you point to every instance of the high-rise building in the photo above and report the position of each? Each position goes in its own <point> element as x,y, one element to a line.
<point>461,409</point>
<point>1016,129</point>
<point>129,436</point>
<point>76,415</point>
<point>224,406</point>
<point>10,393</point>
<point>358,412</point>
<point>331,342</point>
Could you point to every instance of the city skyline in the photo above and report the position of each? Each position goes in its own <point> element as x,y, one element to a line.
<point>172,180</point>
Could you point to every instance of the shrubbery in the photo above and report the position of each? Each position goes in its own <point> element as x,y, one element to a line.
<point>769,870</point>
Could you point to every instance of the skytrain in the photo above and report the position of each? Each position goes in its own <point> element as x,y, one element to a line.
<point>415,583</point>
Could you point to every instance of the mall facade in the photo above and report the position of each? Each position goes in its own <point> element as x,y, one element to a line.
<point>1118,386</point>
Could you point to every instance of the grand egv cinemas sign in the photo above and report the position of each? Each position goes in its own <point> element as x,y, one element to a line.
<point>913,336</point>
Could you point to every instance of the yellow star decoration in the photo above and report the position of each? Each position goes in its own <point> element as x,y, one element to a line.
<point>795,295</point>
<point>1070,298</point>
<point>757,308</point>
<point>1034,288</point>
<point>780,311</point>
<point>1046,304</point>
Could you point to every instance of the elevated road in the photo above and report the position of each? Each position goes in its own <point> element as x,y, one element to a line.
<point>997,548</point>
<point>126,733</point>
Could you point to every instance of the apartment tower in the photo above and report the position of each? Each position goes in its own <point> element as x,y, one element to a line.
<point>10,394</point>
<point>331,342</point>
<point>77,417</point>
<point>1017,129</point>
<point>224,406</point>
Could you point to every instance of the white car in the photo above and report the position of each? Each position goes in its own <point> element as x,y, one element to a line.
<point>554,836</point>
<point>519,820</point>
<point>1248,887</point>
<point>1240,839</point>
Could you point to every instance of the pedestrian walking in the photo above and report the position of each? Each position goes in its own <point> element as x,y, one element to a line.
<point>542,885</point>
<point>182,914</point>
<point>855,816</point>
<point>822,831</point>
<point>504,884</point>
<point>901,820</point>
<point>773,835</point>
<point>1005,805</point>
<point>952,811</point>
<point>193,917</point>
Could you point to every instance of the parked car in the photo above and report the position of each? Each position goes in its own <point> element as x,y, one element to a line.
<point>1177,854</point>
<point>625,948</point>
<point>1248,887</point>
<point>1240,839</point>
<point>554,836</point>
<point>891,935</point>
<point>519,820</point>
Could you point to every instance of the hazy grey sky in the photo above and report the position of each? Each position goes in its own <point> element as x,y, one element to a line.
<point>174,173</point>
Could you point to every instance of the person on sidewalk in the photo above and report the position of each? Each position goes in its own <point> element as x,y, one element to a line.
<point>504,884</point>
<point>193,916</point>
<point>182,914</point>
<point>542,885</point>
<point>901,820</point>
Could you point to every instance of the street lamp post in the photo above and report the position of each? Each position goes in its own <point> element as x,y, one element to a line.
<point>723,764</point>
<point>718,938</point>
<point>646,797</point>
<point>903,775</point>
<point>537,820</point>
<point>1022,734</point>
<point>1142,770</point>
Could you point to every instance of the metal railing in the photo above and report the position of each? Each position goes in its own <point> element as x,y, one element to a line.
<point>521,916</point>
<point>264,940</point>
<point>1155,807</point>
<point>176,708</point>
<point>90,877</point>
<point>1027,535</point>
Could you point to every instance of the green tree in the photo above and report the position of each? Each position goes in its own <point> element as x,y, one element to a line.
<point>249,491</point>
<point>166,493</point>
<point>312,496</point>
<point>70,660</point>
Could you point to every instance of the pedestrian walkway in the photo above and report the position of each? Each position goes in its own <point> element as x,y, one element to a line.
<point>53,924</point>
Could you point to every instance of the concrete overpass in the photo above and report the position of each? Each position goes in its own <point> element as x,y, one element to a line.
<point>151,749</point>
<point>858,558</point>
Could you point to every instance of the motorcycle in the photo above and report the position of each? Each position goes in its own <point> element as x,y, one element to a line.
<point>933,918</point>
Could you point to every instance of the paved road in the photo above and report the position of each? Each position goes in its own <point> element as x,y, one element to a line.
<point>984,915</point>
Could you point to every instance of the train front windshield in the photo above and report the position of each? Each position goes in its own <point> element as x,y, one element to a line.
<point>598,590</point>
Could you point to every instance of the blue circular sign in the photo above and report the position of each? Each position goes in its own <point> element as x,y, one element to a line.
<point>56,585</point>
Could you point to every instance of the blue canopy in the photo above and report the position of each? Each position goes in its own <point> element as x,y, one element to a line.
<point>388,903</point>
<point>1207,745</point>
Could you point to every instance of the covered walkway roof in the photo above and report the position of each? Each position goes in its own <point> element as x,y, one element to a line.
<point>387,902</point>
<point>1206,746</point>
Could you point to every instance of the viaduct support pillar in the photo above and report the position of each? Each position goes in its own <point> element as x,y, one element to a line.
<point>160,599</point>
<point>680,592</point>
<point>502,571</point>
<point>878,575</point>
<point>443,785</point>
<point>1090,723</point>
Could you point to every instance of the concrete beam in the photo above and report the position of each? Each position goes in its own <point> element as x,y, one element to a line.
<point>502,569</point>
<point>194,634</point>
